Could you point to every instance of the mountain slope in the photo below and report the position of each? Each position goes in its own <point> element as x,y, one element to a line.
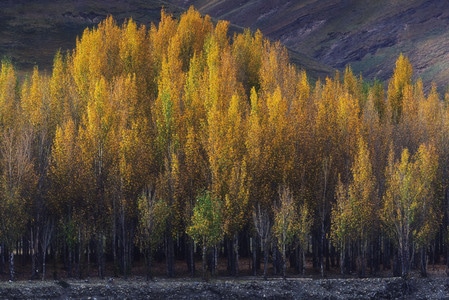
<point>32,31</point>
<point>368,35</point>
<point>322,35</point>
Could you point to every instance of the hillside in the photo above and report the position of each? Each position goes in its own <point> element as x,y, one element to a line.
<point>32,31</point>
<point>322,35</point>
<point>368,35</point>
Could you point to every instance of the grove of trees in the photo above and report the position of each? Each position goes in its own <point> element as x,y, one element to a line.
<point>156,140</point>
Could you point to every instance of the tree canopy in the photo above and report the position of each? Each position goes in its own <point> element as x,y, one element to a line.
<point>118,145</point>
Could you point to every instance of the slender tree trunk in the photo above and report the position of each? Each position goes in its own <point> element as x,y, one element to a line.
<point>265,259</point>
<point>230,257</point>
<point>170,255</point>
<point>191,255</point>
<point>80,247</point>
<point>100,257</point>
<point>275,258</point>
<point>254,255</point>
<point>303,261</point>
<point>404,257</point>
<point>322,249</point>
<point>88,258</point>
<point>284,261</point>
<point>236,254</point>
<point>326,167</point>
<point>386,259</point>
<point>114,233</point>
<point>423,262</point>
<point>124,250</point>
<point>149,265</point>
<point>69,262</point>
<point>44,255</point>
<point>215,260</point>
<point>12,274</point>
<point>342,258</point>
<point>2,258</point>
<point>34,251</point>
<point>204,259</point>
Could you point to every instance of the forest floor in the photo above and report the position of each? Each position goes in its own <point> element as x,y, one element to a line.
<point>309,286</point>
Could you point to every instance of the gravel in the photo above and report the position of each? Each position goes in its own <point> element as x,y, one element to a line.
<point>241,288</point>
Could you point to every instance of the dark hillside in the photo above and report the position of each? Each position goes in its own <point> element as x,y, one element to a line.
<point>368,35</point>
<point>322,35</point>
<point>32,31</point>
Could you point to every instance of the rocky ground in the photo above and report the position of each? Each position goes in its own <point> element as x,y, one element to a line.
<point>242,288</point>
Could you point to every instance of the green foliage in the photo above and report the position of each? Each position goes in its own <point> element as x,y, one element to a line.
<point>207,221</point>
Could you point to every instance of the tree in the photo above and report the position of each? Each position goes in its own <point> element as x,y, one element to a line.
<point>153,214</point>
<point>402,76</point>
<point>353,214</point>
<point>8,94</point>
<point>16,181</point>
<point>430,216</point>
<point>167,114</point>
<point>64,180</point>
<point>286,223</point>
<point>407,203</point>
<point>263,223</point>
<point>206,224</point>
<point>341,228</point>
<point>97,144</point>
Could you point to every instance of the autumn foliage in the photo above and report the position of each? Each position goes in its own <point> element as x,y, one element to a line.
<point>155,139</point>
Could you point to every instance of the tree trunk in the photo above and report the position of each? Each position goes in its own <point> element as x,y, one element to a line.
<point>69,262</point>
<point>47,232</point>
<point>386,259</point>
<point>100,257</point>
<point>44,255</point>
<point>275,258</point>
<point>204,258</point>
<point>88,258</point>
<point>254,256</point>
<point>191,255</point>
<point>229,255</point>
<point>284,261</point>
<point>215,260</point>
<point>235,250</point>
<point>124,246</point>
<point>265,259</point>
<point>303,261</point>
<point>423,262</point>
<point>322,249</point>
<point>405,258</point>
<point>12,276</point>
<point>80,250</point>
<point>34,247</point>
<point>148,257</point>
<point>170,255</point>
<point>342,259</point>
<point>2,258</point>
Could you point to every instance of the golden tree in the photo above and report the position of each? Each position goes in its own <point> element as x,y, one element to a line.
<point>408,203</point>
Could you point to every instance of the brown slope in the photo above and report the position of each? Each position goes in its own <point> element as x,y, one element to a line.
<point>368,35</point>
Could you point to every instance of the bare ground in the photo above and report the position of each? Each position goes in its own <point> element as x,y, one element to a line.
<point>309,286</point>
<point>241,288</point>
